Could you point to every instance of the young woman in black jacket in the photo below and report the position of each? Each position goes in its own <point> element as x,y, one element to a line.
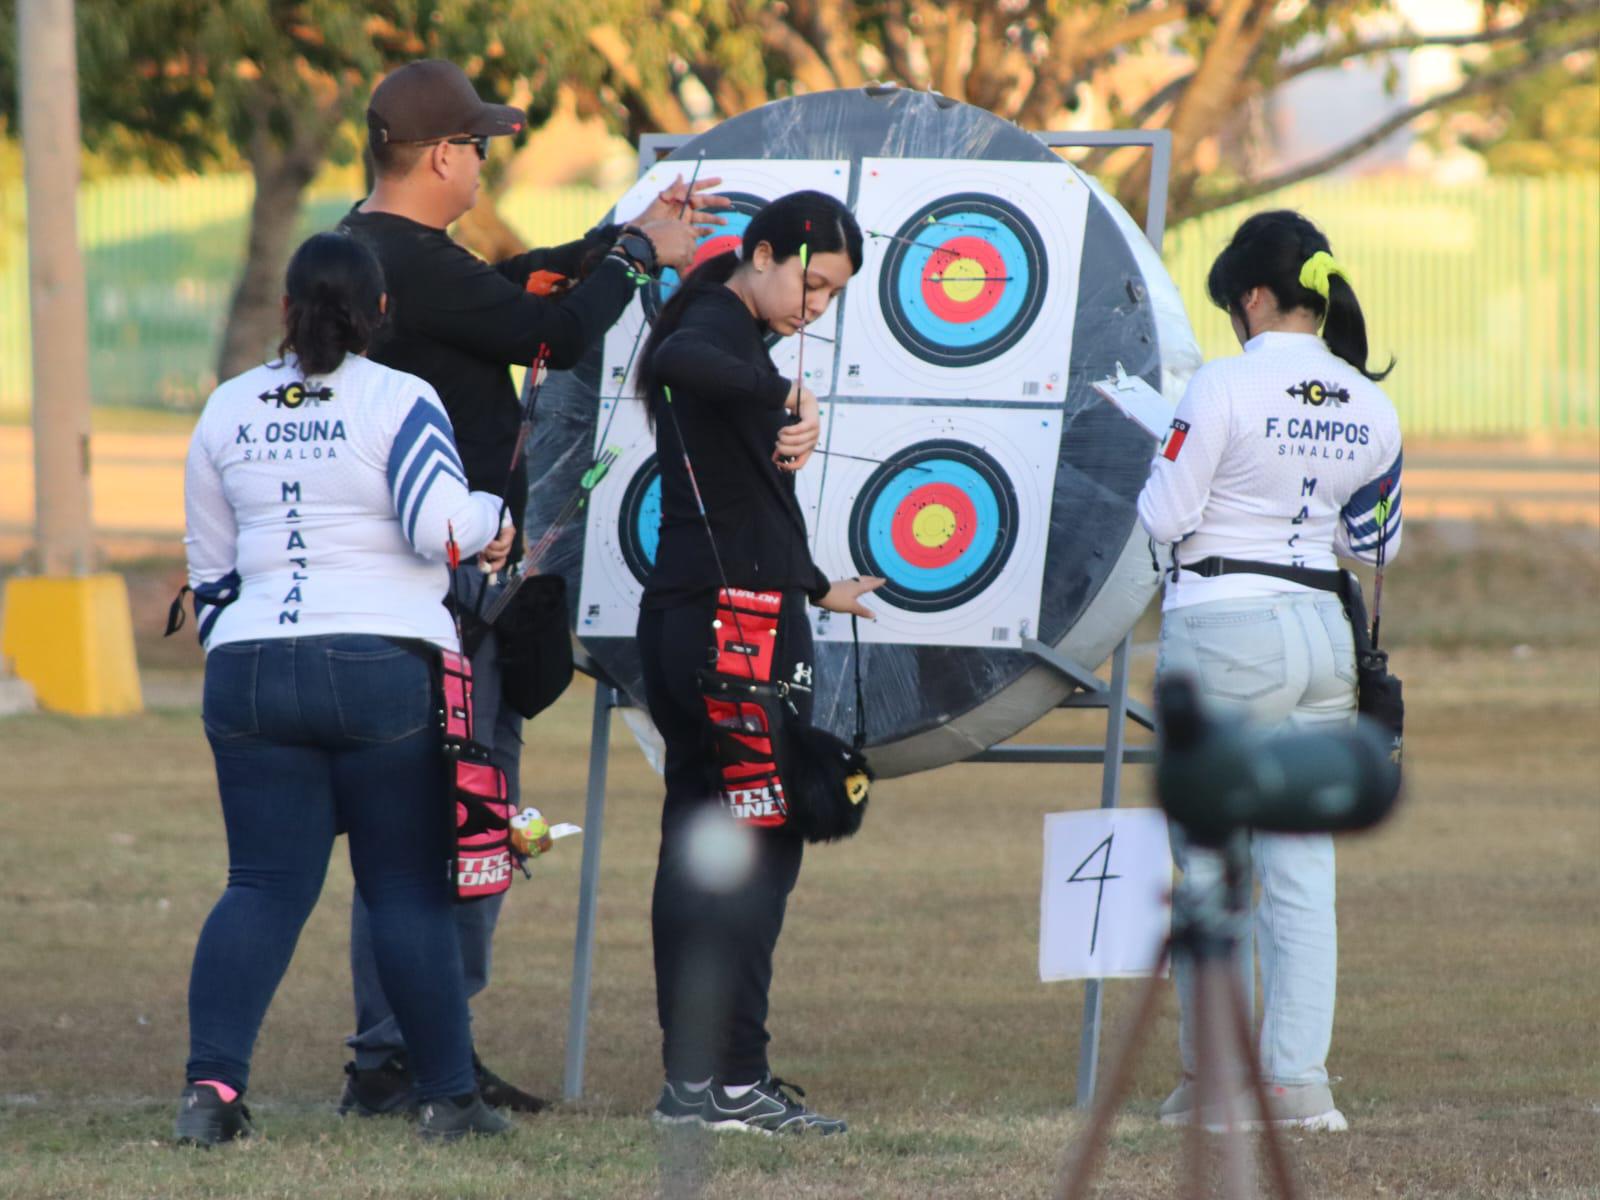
<point>716,398</point>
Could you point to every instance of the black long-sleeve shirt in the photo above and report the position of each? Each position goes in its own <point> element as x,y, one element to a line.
<point>728,399</point>
<point>460,322</point>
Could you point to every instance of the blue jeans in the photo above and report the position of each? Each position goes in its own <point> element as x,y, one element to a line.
<point>314,737</point>
<point>498,726</point>
<point>1288,662</point>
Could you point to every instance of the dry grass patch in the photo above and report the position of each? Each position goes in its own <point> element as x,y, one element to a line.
<point>907,997</point>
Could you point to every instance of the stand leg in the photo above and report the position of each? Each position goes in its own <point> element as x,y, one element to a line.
<point>1089,1043</point>
<point>1081,1167</point>
<point>588,894</point>
<point>1110,797</point>
<point>1116,726</point>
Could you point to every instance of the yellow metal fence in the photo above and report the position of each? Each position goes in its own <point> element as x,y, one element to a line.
<point>1487,296</point>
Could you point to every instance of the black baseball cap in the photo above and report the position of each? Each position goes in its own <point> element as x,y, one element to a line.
<point>431,98</point>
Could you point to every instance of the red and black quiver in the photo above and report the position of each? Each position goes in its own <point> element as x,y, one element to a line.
<point>481,860</point>
<point>775,769</point>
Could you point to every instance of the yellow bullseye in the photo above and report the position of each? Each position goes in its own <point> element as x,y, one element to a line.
<point>962,279</point>
<point>933,526</point>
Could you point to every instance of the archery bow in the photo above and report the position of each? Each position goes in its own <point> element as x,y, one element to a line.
<point>575,504</point>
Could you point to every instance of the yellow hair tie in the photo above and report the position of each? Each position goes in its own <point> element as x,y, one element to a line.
<point>1315,271</point>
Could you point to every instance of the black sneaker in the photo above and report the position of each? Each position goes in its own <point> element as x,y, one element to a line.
<point>377,1091</point>
<point>451,1118</point>
<point>766,1108</point>
<point>498,1093</point>
<point>206,1119</point>
<point>679,1105</point>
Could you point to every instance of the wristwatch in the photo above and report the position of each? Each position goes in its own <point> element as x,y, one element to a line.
<point>638,248</point>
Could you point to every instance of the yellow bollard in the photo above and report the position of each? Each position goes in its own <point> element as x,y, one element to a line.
<point>71,638</point>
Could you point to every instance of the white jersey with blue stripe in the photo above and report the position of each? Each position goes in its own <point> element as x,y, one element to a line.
<point>1285,454</point>
<point>324,506</point>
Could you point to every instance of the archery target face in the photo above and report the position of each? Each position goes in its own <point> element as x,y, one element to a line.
<point>938,521</point>
<point>623,526</point>
<point>963,280</point>
<point>749,183</point>
<point>950,515</point>
<point>970,283</point>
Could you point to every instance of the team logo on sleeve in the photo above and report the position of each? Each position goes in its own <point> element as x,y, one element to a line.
<point>1174,442</point>
<point>293,395</point>
<point>1316,393</point>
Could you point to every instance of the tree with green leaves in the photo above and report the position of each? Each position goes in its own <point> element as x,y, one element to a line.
<point>280,85</point>
<point>1193,67</point>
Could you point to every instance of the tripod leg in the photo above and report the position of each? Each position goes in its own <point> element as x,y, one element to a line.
<point>1277,1158</point>
<point>1197,1148</point>
<point>1218,1078</point>
<point>1079,1173</point>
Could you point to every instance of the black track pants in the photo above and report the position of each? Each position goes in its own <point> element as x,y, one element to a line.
<point>713,952</point>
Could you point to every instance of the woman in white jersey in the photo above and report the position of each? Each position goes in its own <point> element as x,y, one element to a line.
<point>320,494</point>
<point>1286,456</point>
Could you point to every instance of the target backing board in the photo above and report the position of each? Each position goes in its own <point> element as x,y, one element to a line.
<point>620,534</point>
<point>952,514</point>
<point>936,683</point>
<point>970,283</point>
<point>749,183</point>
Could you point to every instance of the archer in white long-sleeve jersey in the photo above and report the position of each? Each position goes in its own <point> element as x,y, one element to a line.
<point>1278,462</point>
<point>320,494</point>
<point>325,506</point>
<point>1286,454</point>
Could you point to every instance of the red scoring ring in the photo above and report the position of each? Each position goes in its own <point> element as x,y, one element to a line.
<point>714,246</point>
<point>903,538</point>
<point>939,301</point>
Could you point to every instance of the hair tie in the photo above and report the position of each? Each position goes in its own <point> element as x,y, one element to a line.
<point>1315,271</point>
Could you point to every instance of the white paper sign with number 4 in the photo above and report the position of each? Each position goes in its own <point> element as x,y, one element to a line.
<point>1105,904</point>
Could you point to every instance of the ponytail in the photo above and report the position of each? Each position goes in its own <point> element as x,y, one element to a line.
<point>335,289</point>
<point>712,273</point>
<point>815,220</point>
<point>1344,329</point>
<point>1288,255</point>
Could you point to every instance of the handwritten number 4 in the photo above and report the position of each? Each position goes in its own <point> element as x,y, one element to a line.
<point>1077,876</point>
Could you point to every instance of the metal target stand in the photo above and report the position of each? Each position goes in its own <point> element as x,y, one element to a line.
<point>1089,692</point>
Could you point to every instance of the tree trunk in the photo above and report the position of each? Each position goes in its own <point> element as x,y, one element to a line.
<point>652,108</point>
<point>282,174</point>
<point>1205,104</point>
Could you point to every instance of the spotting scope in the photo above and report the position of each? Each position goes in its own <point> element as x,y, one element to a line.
<point>1215,776</point>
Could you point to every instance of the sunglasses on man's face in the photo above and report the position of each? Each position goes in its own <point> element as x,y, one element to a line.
<point>480,141</point>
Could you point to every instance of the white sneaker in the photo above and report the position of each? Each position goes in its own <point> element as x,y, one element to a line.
<point>1289,1106</point>
<point>1301,1106</point>
<point>1178,1108</point>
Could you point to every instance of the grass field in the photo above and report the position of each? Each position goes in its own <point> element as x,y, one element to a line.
<point>906,997</point>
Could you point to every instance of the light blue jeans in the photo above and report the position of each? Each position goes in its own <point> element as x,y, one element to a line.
<point>1284,662</point>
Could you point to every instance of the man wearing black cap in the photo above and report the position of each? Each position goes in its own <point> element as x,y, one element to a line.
<point>459,323</point>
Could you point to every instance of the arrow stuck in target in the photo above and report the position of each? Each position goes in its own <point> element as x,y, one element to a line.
<point>895,237</point>
<point>878,462</point>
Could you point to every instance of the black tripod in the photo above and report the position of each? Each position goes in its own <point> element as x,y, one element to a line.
<point>1207,925</point>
